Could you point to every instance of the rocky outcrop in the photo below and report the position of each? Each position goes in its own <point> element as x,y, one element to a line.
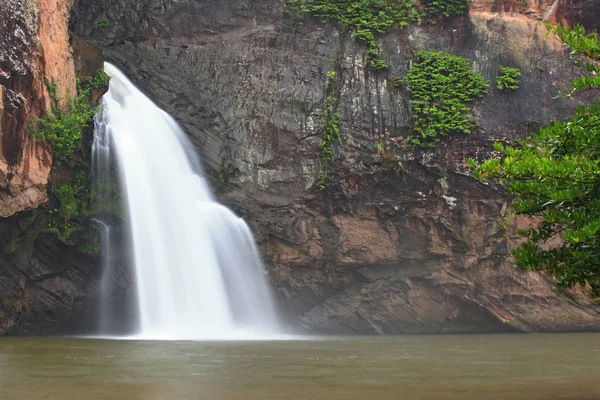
<point>400,241</point>
<point>49,286</point>
<point>34,47</point>
<point>41,279</point>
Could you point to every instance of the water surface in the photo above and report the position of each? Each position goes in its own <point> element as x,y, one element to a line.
<point>553,366</point>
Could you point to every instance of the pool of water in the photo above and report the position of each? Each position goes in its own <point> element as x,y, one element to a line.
<point>536,366</point>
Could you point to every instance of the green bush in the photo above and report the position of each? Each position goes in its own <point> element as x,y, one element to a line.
<point>364,18</point>
<point>441,87</point>
<point>64,125</point>
<point>98,82</point>
<point>447,8</point>
<point>509,78</point>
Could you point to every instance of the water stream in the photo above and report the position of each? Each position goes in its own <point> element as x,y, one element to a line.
<point>198,272</point>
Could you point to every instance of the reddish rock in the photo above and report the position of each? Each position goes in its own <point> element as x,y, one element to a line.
<point>34,47</point>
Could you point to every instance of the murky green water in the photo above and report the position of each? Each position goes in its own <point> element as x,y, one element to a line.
<point>560,366</point>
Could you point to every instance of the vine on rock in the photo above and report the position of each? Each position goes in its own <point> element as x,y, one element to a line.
<point>441,87</point>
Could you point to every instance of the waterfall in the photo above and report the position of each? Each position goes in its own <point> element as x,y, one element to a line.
<point>198,272</point>
<point>106,281</point>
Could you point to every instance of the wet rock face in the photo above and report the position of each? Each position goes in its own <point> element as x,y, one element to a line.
<point>43,282</point>
<point>394,244</point>
<point>50,287</point>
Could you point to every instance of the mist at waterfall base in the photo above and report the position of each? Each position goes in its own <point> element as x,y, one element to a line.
<point>198,273</point>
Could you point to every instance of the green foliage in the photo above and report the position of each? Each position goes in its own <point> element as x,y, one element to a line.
<point>399,82</point>
<point>441,87</point>
<point>331,75</point>
<point>380,146</point>
<point>66,214</point>
<point>585,45</point>
<point>556,175</point>
<point>331,134</point>
<point>509,78</point>
<point>98,82</point>
<point>101,24</point>
<point>64,125</point>
<point>68,202</point>
<point>447,8</point>
<point>364,18</point>
<point>581,42</point>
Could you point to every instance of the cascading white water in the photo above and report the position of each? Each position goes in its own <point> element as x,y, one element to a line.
<point>198,271</point>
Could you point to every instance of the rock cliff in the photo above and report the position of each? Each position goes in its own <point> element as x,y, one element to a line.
<point>388,247</point>
<point>400,241</point>
<point>42,281</point>
<point>34,47</point>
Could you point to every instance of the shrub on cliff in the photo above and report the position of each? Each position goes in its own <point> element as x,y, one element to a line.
<point>555,174</point>
<point>509,79</point>
<point>441,87</point>
<point>63,126</point>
